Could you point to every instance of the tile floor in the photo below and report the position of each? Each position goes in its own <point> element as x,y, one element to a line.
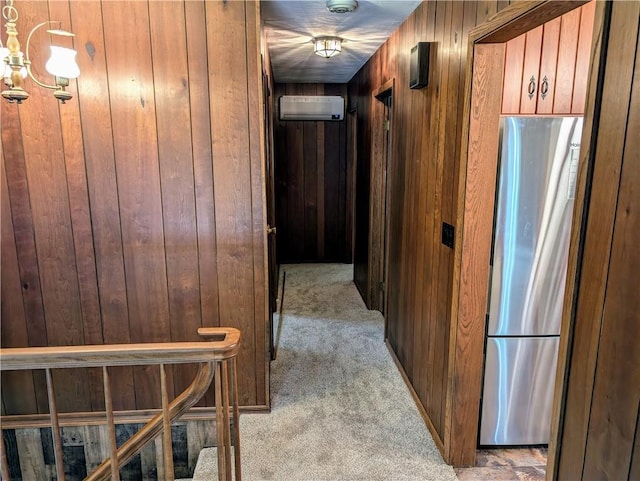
<point>522,464</point>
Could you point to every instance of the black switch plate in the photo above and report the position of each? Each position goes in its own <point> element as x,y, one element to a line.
<point>448,234</point>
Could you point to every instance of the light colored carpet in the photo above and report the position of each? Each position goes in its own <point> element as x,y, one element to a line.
<point>340,409</point>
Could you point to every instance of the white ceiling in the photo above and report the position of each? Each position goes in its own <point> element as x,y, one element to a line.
<point>292,24</point>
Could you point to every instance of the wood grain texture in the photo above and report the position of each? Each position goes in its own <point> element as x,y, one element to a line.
<point>133,111</point>
<point>18,391</point>
<point>171,89</point>
<point>479,201</point>
<point>548,65</point>
<point>566,69</point>
<point>311,183</point>
<point>583,56</point>
<point>114,209</point>
<point>513,75</point>
<point>99,163</point>
<point>50,208</point>
<point>531,77</point>
<point>595,373</point>
<point>232,173</point>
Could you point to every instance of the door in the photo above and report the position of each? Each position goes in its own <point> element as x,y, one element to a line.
<point>271,210</point>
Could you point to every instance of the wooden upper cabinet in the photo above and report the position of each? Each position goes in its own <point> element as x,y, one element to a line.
<point>512,84</point>
<point>583,58</point>
<point>546,69</point>
<point>531,71</point>
<point>565,76</point>
<point>548,65</point>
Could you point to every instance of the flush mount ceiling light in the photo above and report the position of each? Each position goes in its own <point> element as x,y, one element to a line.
<point>327,46</point>
<point>341,6</point>
<point>62,64</point>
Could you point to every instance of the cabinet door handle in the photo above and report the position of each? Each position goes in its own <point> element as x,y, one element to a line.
<point>544,87</point>
<point>531,90</point>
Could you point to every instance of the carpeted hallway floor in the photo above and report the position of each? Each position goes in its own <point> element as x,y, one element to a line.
<point>340,409</point>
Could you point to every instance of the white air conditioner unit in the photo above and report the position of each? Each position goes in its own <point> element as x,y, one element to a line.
<point>304,107</point>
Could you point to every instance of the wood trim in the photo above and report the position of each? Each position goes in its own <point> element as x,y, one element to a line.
<point>473,248</point>
<point>225,345</point>
<point>575,259</point>
<point>520,17</point>
<point>466,361</point>
<point>383,90</point>
<point>416,399</point>
<point>97,418</point>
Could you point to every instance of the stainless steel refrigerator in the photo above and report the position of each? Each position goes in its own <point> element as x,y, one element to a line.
<point>536,187</point>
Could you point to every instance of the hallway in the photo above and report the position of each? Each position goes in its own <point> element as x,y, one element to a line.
<point>340,407</point>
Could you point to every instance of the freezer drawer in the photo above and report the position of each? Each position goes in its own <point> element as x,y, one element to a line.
<point>518,390</point>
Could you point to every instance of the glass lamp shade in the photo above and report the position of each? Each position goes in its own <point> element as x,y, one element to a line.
<point>4,66</point>
<point>327,47</point>
<point>62,62</point>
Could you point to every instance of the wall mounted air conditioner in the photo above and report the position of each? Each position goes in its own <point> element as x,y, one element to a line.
<point>305,107</point>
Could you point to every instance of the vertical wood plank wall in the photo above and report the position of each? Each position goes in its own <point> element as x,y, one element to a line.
<point>599,432</point>
<point>135,212</point>
<point>311,176</point>
<point>423,177</point>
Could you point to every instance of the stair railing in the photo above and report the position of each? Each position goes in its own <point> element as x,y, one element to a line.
<point>216,357</point>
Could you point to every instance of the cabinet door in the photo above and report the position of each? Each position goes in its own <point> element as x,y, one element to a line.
<point>565,72</point>
<point>582,60</point>
<point>531,71</point>
<point>512,84</point>
<point>548,64</point>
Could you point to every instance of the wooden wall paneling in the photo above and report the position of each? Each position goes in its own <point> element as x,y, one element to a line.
<point>175,157</point>
<point>583,56</point>
<point>334,174</point>
<point>444,17</point>
<point>351,135</point>
<point>176,177</point>
<point>99,164</point>
<point>49,201</point>
<point>425,220</point>
<point>476,226</point>
<point>202,165</point>
<point>616,391</point>
<point>320,182</point>
<point>634,469</point>
<point>258,204</point>
<point>362,193</point>
<point>548,64</point>
<point>449,157</point>
<point>531,78</point>
<point>309,160</point>
<point>18,391</point>
<point>565,75</point>
<point>592,287</point>
<point>486,9</point>
<point>376,206</point>
<point>295,184</point>
<point>513,75</point>
<point>136,155</point>
<point>227,45</point>
<point>82,231</point>
<point>22,226</point>
<point>280,140</point>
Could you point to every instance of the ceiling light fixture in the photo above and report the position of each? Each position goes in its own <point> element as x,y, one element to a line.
<point>62,63</point>
<point>327,47</point>
<point>341,6</point>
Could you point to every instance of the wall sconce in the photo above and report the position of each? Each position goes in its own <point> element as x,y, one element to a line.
<point>62,63</point>
<point>327,47</point>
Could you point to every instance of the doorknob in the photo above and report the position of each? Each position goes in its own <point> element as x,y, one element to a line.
<point>271,230</point>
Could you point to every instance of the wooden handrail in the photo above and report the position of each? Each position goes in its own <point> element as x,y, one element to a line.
<point>212,355</point>
<point>225,346</point>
